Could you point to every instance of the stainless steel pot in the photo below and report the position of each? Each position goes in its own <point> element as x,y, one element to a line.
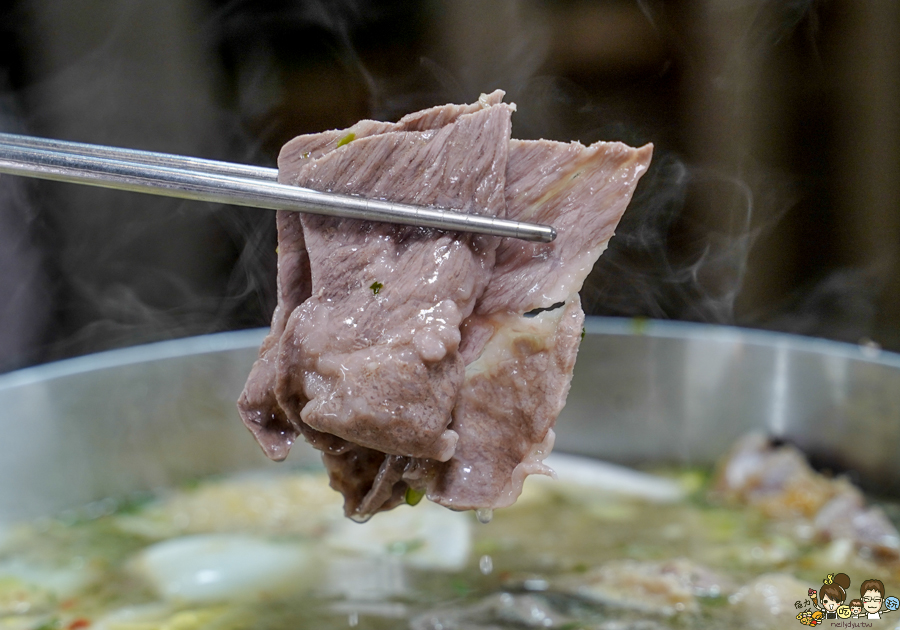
<point>644,392</point>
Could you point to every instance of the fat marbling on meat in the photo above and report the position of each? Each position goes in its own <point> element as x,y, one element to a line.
<point>412,360</point>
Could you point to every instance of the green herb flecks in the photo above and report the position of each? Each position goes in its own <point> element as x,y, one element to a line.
<point>413,496</point>
<point>350,137</point>
<point>583,332</point>
<point>376,286</point>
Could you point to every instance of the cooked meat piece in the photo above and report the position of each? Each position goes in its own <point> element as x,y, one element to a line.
<point>779,482</point>
<point>405,329</point>
<point>372,356</point>
<point>776,480</point>
<point>663,588</point>
<point>353,469</point>
<point>525,364</point>
<point>506,410</point>
<point>258,405</point>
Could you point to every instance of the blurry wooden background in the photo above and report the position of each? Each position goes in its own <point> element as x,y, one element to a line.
<point>772,201</point>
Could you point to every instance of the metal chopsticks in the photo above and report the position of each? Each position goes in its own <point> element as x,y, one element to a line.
<point>224,182</point>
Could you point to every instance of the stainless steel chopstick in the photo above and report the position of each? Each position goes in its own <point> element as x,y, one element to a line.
<point>152,158</point>
<point>223,182</point>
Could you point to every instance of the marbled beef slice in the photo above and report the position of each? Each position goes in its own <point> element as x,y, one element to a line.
<point>525,362</point>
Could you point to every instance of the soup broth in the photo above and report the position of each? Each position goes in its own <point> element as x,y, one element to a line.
<point>610,548</point>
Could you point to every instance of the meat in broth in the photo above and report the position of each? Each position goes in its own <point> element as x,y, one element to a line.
<point>603,548</point>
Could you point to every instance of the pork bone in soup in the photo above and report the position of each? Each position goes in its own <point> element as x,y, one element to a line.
<point>604,547</point>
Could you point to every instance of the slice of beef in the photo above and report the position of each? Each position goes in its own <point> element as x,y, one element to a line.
<point>368,371</point>
<point>581,191</point>
<point>517,385</point>
<point>372,356</point>
<point>506,410</point>
<point>258,405</point>
<point>518,368</point>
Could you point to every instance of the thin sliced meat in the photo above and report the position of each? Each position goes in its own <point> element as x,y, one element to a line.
<point>582,192</point>
<point>372,357</point>
<point>258,405</point>
<point>412,364</point>
<point>517,385</point>
<point>506,410</point>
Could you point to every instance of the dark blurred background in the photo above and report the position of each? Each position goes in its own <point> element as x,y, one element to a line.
<point>772,201</point>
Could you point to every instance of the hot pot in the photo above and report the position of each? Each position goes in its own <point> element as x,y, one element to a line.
<point>644,392</point>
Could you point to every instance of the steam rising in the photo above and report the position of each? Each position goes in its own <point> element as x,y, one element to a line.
<point>23,282</point>
<point>129,268</point>
<point>673,259</point>
<point>134,269</point>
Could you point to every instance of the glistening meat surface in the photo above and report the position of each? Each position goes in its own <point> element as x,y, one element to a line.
<point>372,356</point>
<point>258,405</point>
<point>411,361</point>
